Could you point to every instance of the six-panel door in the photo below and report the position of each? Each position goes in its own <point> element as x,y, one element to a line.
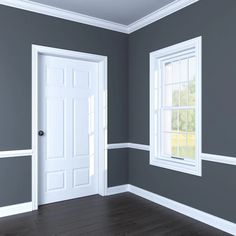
<point>68,115</point>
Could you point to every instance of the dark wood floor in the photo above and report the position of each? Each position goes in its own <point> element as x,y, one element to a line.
<point>123,214</point>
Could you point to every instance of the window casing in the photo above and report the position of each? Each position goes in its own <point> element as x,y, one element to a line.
<point>175,107</point>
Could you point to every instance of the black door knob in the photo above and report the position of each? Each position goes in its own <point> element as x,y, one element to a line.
<point>41,133</point>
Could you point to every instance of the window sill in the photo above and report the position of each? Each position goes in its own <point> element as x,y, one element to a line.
<point>194,169</point>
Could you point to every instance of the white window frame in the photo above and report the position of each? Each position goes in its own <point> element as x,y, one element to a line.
<point>156,59</point>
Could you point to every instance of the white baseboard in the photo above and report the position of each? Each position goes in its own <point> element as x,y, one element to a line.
<point>117,189</point>
<point>204,217</point>
<point>15,209</point>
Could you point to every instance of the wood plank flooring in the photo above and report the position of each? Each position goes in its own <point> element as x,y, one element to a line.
<point>118,215</point>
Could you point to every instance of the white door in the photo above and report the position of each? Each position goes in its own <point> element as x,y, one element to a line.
<point>68,121</point>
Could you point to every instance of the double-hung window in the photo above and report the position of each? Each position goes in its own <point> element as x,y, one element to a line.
<point>175,107</point>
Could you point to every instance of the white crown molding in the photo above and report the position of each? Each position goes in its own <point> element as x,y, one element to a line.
<point>15,153</point>
<point>85,19</point>
<point>159,14</point>
<point>64,14</point>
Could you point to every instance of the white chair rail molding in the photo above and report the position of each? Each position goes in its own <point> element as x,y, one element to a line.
<point>204,156</point>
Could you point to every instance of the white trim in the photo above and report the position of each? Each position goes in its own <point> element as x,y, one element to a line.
<point>218,158</point>
<point>196,214</point>
<point>64,14</point>
<point>204,217</point>
<point>117,189</point>
<point>117,146</point>
<point>128,145</point>
<point>204,156</point>
<point>85,19</point>
<point>201,216</point>
<point>102,64</point>
<point>159,14</point>
<point>15,209</point>
<point>16,153</point>
<point>156,61</point>
<point>139,146</point>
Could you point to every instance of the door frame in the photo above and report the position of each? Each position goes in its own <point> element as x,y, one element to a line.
<point>37,51</point>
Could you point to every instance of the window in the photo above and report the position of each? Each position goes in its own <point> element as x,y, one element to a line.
<point>175,107</point>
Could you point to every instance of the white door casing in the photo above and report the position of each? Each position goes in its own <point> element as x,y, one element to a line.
<point>73,90</point>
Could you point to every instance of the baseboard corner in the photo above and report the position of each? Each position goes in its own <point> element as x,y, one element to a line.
<point>117,189</point>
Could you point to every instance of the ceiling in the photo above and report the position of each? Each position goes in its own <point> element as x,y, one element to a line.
<point>124,12</point>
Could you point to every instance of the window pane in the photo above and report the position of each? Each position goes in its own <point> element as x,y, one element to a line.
<point>174,120</point>
<point>191,93</point>
<point>175,95</point>
<point>166,137</point>
<point>192,68</point>
<point>168,73</point>
<point>183,149</point>
<point>184,94</point>
<point>191,121</point>
<point>167,121</point>
<point>175,145</point>
<point>182,145</point>
<point>178,125</point>
<point>168,95</point>
<point>172,95</point>
<point>191,146</point>
<point>183,121</point>
<point>176,72</point>
<point>184,70</point>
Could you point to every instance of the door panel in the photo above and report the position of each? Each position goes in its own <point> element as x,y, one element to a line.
<point>81,177</point>
<point>55,77</point>
<point>55,127</point>
<point>68,113</point>
<point>81,79</point>
<point>55,180</point>
<point>81,132</point>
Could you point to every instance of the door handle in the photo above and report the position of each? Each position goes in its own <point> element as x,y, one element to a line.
<point>41,133</point>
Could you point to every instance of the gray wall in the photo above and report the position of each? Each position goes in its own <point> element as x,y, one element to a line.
<point>19,30</point>
<point>118,167</point>
<point>15,181</point>
<point>215,191</point>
